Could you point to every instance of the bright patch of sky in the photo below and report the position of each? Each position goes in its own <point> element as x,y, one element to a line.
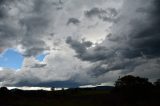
<point>40,57</point>
<point>1,68</point>
<point>11,58</point>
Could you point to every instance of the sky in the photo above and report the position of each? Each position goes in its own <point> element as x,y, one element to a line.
<point>68,43</point>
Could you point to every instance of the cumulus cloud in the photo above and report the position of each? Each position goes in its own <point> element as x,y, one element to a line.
<point>23,24</point>
<point>133,38</point>
<point>87,42</point>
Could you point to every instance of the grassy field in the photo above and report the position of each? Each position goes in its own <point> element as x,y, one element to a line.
<point>76,97</point>
<point>55,98</point>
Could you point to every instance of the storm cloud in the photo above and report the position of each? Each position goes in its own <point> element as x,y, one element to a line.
<point>87,42</point>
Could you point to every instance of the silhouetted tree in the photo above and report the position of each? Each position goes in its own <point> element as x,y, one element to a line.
<point>133,85</point>
<point>157,83</point>
<point>52,88</point>
<point>3,90</point>
<point>131,81</point>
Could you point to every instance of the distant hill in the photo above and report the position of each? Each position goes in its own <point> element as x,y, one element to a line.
<point>104,87</point>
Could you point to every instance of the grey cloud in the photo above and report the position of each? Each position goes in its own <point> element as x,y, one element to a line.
<point>38,66</point>
<point>93,54</point>
<point>97,70</point>
<point>73,21</point>
<point>34,24</point>
<point>146,40</point>
<point>98,53</point>
<point>108,14</point>
<point>142,41</point>
<point>33,51</point>
<point>24,27</point>
<point>35,73</point>
<point>27,24</point>
<point>7,34</point>
<point>34,47</point>
<point>76,45</point>
<point>149,69</point>
<point>87,43</point>
<point>95,12</point>
<point>5,74</point>
<point>2,9</point>
<point>58,4</point>
<point>129,47</point>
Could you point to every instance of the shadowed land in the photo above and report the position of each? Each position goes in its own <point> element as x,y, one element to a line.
<point>128,91</point>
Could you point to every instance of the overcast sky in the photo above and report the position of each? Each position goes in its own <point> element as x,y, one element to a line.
<point>67,43</point>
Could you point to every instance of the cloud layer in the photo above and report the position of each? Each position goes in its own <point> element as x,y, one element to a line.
<point>87,41</point>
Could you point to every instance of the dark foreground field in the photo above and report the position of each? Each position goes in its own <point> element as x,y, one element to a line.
<point>55,98</point>
<point>77,97</point>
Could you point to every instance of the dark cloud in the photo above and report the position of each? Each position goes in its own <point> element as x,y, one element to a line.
<point>2,9</point>
<point>98,53</point>
<point>36,26</point>
<point>8,34</point>
<point>130,49</point>
<point>73,21</point>
<point>94,54</point>
<point>77,46</point>
<point>95,12</point>
<point>108,14</point>
<point>146,40</point>
<point>20,27</point>
<point>38,65</point>
<point>97,70</point>
<point>34,47</point>
<point>58,4</point>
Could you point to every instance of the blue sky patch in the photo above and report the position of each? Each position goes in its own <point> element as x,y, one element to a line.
<point>40,57</point>
<point>12,59</point>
